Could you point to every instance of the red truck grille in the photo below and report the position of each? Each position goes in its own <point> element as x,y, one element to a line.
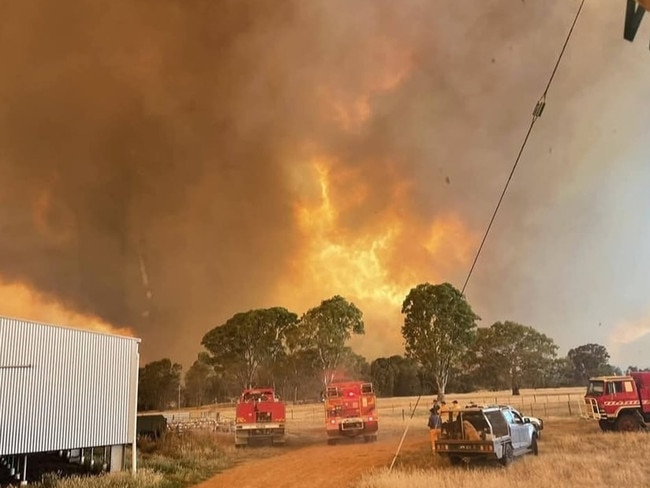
<point>262,417</point>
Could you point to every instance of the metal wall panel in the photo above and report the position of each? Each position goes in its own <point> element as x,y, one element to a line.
<point>63,388</point>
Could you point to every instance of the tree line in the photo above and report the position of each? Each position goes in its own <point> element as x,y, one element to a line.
<point>445,350</point>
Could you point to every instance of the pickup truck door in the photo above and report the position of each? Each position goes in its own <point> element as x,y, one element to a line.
<point>516,428</point>
<point>522,430</point>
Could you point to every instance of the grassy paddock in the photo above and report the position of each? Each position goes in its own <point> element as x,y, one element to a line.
<point>145,478</point>
<point>573,452</point>
<point>177,460</point>
<point>186,458</point>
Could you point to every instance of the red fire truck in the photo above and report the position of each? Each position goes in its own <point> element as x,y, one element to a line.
<point>260,415</point>
<point>620,403</point>
<point>350,411</point>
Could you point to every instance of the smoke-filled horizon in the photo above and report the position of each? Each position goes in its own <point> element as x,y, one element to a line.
<point>167,164</point>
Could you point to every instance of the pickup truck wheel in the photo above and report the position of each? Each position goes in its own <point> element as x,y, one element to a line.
<point>455,460</point>
<point>534,448</point>
<point>508,455</point>
<point>627,423</point>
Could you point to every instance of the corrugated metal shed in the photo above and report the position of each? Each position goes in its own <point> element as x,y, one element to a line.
<point>63,388</point>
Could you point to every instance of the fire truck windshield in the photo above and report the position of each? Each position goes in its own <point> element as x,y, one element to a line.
<point>596,388</point>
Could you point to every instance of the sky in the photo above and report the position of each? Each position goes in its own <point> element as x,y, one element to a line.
<point>165,165</point>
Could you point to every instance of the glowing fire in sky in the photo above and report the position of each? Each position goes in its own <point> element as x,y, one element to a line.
<point>366,265</point>
<point>19,301</point>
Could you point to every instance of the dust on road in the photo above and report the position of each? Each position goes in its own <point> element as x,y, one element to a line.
<point>315,464</point>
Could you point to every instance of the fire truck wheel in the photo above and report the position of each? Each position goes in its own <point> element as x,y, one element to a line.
<point>627,423</point>
<point>605,425</point>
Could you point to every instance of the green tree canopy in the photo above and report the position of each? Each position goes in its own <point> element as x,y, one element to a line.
<point>325,329</point>
<point>511,354</point>
<point>247,340</point>
<point>560,373</point>
<point>439,326</point>
<point>590,360</point>
<point>158,384</point>
<point>201,382</point>
<point>636,369</point>
<point>395,376</point>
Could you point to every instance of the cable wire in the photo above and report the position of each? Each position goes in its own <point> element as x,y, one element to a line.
<point>537,113</point>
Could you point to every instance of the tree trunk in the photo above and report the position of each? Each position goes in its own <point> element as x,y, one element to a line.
<point>515,389</point>
<point>441,389</point>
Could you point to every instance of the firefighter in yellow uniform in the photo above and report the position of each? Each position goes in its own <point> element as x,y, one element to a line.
<point>434,425</point>
<point>455,407</point>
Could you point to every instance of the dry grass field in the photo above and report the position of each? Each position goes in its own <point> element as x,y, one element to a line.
<point>573,452</point>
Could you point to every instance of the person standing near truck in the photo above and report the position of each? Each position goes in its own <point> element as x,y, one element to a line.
<point>434,425</point>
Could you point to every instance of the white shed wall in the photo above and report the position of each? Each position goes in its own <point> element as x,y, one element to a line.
<point>63,388</point>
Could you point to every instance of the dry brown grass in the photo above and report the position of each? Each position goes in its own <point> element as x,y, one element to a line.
<point>573,453</point>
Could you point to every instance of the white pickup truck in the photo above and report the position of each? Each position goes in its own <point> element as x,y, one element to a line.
<point>495,433</point>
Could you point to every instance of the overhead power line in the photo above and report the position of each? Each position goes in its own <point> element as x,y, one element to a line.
<point>537,113</point>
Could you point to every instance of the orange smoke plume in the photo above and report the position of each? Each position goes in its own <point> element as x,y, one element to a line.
<point>20,301</point>
<point>630,331</point>
<point>367,263</point>
<point>351,107</point>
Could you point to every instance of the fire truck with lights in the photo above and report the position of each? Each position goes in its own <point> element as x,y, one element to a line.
<point>620,403</point>
<point>350,411</point>
<point>259,416</point>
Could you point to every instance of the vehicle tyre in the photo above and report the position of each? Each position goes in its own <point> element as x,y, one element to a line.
<point>331,442</point>
<point>455,460</point>
<point>605,425</point>
<point>627,423</point>
<point>534,448</point>
<point>508,455</point>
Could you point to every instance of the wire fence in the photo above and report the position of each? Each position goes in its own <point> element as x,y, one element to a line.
<point>537,403</point>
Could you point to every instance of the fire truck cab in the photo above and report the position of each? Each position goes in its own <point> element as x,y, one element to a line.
<point>260,416</point>
<point>620,403</point>
<point>350,411</point>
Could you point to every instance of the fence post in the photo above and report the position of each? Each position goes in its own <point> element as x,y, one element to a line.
<point>570,411</point>
<point>402,414</point>
<point>545,414</point>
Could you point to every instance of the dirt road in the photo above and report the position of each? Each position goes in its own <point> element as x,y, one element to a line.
<point>314,464</point>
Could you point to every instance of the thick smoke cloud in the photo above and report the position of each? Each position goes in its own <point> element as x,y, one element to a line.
<point>180,139</point>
